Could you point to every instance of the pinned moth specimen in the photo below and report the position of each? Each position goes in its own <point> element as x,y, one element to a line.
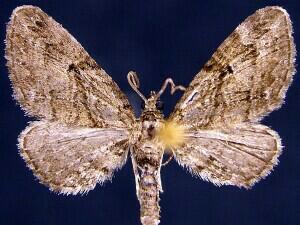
<point>86,127</point>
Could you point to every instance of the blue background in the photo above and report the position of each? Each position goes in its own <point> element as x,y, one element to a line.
<point>157,39</point>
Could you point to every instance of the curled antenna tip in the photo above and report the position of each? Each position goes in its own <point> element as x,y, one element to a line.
<point>133,77</point>
<point>172,85</point>
<point>134,82</point>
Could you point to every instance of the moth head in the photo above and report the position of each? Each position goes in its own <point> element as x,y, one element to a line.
<point>153,102</point>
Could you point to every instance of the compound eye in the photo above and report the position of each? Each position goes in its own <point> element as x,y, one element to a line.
<point>143,105</point>
<point>159,105</point>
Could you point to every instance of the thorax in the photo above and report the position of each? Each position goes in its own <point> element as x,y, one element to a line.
<point>143,140</point>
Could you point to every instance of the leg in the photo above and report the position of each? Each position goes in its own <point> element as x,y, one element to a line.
<point>168,160</point>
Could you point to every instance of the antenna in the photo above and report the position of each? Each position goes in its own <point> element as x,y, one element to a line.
<point>134,82</point>
<point>173,87</point>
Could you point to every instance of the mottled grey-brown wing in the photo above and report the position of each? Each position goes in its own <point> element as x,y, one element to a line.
<point>240,155</point>
<point>246,78</point>
<point>72,160</point>
<point>54,78</point>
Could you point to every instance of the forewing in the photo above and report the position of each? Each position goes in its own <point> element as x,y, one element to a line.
<point>54,78</point>
<point>72,160</point>
<point>246,78</point>
<point>239,155</point>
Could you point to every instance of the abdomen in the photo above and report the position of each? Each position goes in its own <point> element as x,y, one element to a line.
<point>146,164</point>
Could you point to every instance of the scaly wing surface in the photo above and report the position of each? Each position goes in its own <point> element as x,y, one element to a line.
<point>72,160</point>
<point>54,78</point>
<point>239,155</point>
<point>246,78</point>
<point>83,133</point>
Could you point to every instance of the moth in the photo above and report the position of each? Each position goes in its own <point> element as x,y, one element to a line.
<point>85,126</point>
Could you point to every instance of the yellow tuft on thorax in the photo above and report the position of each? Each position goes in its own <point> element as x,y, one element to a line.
<point>171,135</point>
